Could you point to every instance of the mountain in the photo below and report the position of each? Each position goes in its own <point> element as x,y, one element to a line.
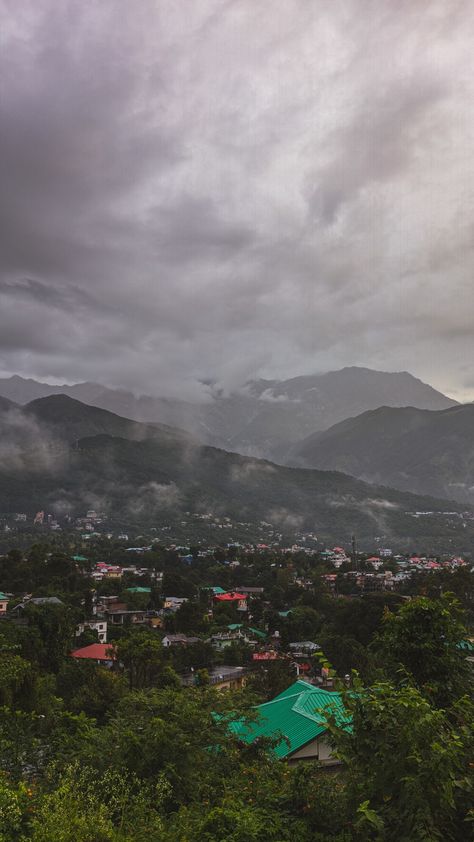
<point>265,418</point>
<point>6,405</point>
<point>158,474</point>
<point>411,449</point>
<point>36,436</point>
<point>69,420</point>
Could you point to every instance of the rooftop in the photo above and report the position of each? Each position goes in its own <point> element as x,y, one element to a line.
<point>95,652</point>
<point>297,714</point>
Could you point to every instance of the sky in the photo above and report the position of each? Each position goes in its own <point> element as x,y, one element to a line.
<point>217,190</point>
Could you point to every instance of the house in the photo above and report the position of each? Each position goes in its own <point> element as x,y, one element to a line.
<point>178,640</point>
<point>221,678</point>
<point>239,599</point>
<point>123,617</point>
<point>267,655</point>
<point>4,600</point>
<point>101,653</point>
<point>36,600</point>
<point>298,715</point>
<point>172,603</point>
<point>100,626</point>
<point>306,647</point>
<point>221,640</point>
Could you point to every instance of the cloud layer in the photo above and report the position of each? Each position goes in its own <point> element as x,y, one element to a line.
<point>225,189</point>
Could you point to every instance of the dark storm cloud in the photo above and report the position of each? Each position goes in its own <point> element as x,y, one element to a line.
<point>213,190</point>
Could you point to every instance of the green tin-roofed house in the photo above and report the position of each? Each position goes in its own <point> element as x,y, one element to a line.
<point>299,716</point>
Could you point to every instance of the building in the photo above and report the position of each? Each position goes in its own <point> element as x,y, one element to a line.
<point>238,599</point>
<point>172,603</point>
<point>100,626</point>
<point>298,715</point>
<point>178,640</point>
<point>101,653</point>
<point>4,600</point>
<point>36,600</point>
<point>221,678</point>
<point>305,647</point>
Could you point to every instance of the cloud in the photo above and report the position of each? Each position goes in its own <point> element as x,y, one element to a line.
<point>206,191</point>
<point>154,497</point>
<point>251,471</point>
<point>27,446</point>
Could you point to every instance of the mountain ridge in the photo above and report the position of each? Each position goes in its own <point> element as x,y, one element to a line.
<point>421,451</point>
<point>266,418</point>
<point>162,474</point>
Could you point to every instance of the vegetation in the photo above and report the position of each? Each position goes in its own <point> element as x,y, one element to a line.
<point>91,754</point>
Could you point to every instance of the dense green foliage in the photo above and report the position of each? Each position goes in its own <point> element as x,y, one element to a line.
<point>90,754</point>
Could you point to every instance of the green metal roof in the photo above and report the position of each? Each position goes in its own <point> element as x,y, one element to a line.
<point>298,687</point>
<point>258,632</point>
<point>79,558</point>
<point>138,590</point>
<point>234,626</point>
<point>3,596</point>
<point>297,714</point>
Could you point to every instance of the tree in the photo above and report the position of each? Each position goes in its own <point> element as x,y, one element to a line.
<point>345,654</point>
<point>14,674</point>
<point>82,806</point>
<point>169,732</point>
<point>421,644</point>
<point>303,623</point>
<point>407,764</point>
<point>85,686</point>
<point>142,655</point>
<point>190,617</point>
<point>272,678</point>
<point>14,807</point>
<point>50,632</point>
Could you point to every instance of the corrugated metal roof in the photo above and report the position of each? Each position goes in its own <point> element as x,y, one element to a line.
<point>297,714</point>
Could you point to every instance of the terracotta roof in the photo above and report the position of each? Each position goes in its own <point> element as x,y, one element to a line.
<point>95,652</point>
<point>230,597</point>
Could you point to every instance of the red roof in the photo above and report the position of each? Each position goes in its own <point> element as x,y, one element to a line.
<point>266,656</point>
<point>230,597</point>
<point>95,652</point>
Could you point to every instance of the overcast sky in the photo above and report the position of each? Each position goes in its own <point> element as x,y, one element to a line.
<point>224,189</point>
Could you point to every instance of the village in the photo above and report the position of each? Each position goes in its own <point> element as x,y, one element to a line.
<point>227,617</point>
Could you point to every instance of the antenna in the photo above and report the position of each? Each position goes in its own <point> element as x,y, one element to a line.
<point>354,552</point>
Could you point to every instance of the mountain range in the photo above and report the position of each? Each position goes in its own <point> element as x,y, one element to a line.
<point>64,456</point>
<point>266,418</point>
<point>416,450</point>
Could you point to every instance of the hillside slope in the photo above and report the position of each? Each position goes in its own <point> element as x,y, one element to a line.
<point>414,450</point>
<point>158,473</point>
